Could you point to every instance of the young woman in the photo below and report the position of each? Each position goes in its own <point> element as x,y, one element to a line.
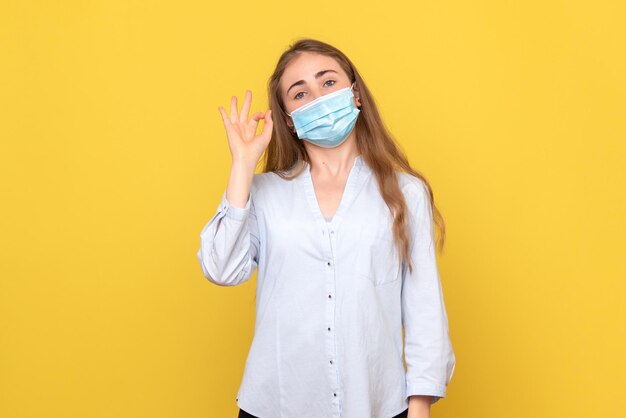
<point>341,229</point>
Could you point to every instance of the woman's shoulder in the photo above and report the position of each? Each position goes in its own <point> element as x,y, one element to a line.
<point>416,194</point>
<point>411,185</point>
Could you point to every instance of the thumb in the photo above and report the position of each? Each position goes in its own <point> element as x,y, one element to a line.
<point>268,125</point>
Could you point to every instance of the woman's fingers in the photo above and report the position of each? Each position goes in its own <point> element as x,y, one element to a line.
<point>267,117</point>
<point>234,117</point>
<point>224,117</point>
<point>223,113</point>
<point>268,125</point>
<point>227,124</point>
<point>243,116</point>
<point>257,116</point>
<point>254,121</point>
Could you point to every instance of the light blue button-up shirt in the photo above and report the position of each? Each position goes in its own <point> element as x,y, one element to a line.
<point>332,298</point>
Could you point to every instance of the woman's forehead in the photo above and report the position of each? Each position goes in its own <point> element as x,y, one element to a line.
<point>305,68</point>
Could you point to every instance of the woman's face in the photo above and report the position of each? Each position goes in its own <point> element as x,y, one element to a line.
<point>310,76</point>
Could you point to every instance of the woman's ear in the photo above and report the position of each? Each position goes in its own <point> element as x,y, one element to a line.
<point>357,96</point>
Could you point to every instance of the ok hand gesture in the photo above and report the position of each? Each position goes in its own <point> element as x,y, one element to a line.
<point>246,146</point>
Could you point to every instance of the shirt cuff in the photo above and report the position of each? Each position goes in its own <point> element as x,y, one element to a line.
<point>232,212</point>
<point>428,389</point>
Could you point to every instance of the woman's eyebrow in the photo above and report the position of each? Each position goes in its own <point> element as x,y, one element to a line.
<point>317,75</point>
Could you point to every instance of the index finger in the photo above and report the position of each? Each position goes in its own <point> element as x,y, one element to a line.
<point>243,116</point>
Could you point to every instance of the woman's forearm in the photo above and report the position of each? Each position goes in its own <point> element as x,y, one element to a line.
<point>419,406</point>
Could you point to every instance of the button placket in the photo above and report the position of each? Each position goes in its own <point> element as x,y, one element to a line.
<point>356,180</point>
<point>330,317</point>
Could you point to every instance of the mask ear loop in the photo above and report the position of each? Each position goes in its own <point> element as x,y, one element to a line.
<point>293,128</point>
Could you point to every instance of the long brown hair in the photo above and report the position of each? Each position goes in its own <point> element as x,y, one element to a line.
<point>376,145</point>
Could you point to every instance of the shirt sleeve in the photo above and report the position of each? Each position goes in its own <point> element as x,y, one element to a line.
<point>428,350</point>
<point>229,244</point>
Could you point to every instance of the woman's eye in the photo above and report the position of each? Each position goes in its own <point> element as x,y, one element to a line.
<point>298,96</point>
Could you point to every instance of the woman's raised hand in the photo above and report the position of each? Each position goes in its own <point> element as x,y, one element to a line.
<point>246,147</point>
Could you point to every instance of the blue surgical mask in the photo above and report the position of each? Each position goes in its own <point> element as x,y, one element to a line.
<point>328,120</point>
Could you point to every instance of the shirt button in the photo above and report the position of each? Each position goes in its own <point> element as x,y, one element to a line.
<point>329,328</point>
<point>329,296</point>
<point>331,362</point>
<point>328,263</point>
<point>334,394</point>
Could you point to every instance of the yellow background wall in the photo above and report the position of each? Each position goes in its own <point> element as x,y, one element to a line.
<point>113,157</point>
